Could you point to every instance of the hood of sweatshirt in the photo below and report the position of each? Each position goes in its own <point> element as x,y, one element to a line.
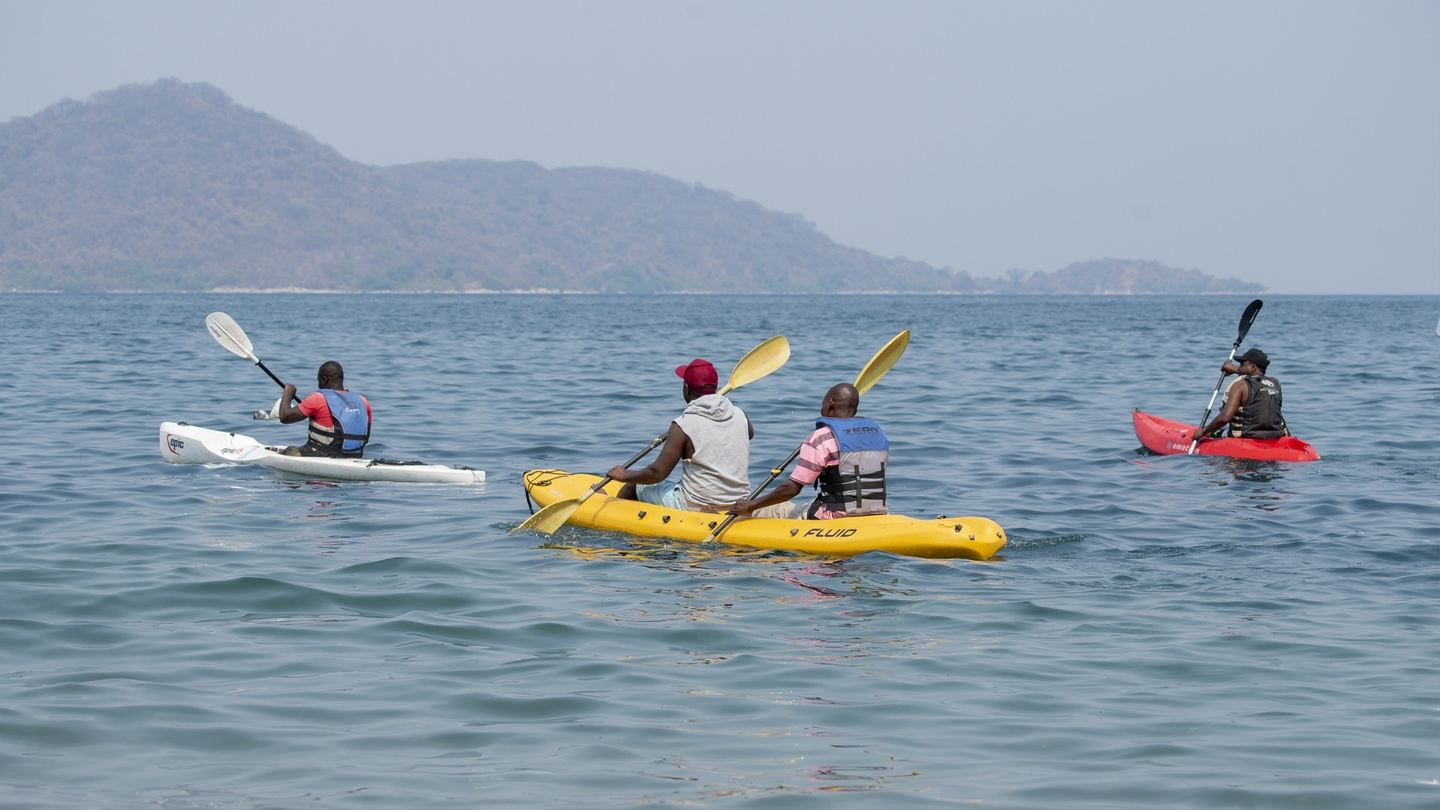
<point>713,407</point>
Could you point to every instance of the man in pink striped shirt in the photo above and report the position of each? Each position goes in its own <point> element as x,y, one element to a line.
<point>846,455</point>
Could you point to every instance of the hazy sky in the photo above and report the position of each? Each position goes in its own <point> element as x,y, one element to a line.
<point>1296,144</point>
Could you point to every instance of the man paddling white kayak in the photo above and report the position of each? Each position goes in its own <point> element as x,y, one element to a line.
<point>339,419</point>
<point>181,443</point>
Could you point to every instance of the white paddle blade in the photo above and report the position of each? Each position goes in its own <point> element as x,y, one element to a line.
<point>229,334</point>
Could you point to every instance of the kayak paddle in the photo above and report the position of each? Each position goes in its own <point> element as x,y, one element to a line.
<point>1247,318</point>
<point>871,374</point>
<point>757,363</point>
<point>229,334</point>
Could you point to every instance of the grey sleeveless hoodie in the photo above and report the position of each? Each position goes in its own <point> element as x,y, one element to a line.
<point>716,476</point>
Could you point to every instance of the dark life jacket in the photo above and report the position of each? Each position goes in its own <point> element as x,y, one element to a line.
<point>1260,417</point>
<point>351,431</point>
<point>856,484</point>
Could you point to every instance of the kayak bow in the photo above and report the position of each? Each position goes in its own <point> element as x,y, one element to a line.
<point>187,444</point>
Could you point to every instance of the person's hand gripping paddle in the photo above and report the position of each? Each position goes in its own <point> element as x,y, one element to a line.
<point>871,374</point>
<point>1246,319</point>
<point>756,364</point>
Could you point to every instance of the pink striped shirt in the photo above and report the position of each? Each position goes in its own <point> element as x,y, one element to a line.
<point>819,451</point>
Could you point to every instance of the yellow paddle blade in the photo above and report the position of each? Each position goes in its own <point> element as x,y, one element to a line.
<point>758,363</point>
<point>550,518</point>
<point>882,361</point>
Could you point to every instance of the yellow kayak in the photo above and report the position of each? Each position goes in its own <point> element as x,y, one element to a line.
<point>974,538</point>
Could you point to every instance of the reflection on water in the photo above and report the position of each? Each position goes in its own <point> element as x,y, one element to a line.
<point>659,551</point>
<point>1255,481</point>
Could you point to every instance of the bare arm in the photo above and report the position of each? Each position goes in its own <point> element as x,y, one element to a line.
<point>1238,395</point>
<point>289,410</point>
<point>779,494</point>
<point>659,469</point>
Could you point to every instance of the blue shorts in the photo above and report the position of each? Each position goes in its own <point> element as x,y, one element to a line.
<point>665,493</point>
<point>668,495</point>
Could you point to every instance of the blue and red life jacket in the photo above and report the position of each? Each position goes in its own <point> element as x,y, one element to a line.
<point>351,431</point>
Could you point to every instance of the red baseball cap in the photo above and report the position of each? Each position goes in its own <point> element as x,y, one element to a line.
<point>699,375</point>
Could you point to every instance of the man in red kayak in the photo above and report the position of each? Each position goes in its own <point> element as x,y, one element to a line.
<point>339,419</point>
<point>1252,402</point>
<point>845,457</point>
<point>711,439</point>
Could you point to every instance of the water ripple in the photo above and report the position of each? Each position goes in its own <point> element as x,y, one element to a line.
<point>1159,632</point>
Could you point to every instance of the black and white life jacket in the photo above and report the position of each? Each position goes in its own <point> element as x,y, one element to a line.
<point>1260,416</point>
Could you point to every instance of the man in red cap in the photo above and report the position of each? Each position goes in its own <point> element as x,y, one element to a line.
<point>710,439</point>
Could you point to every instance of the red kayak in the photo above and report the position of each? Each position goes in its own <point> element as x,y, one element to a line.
<point>1170,438</point>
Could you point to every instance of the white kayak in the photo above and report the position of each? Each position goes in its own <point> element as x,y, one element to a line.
<point>187,444</point>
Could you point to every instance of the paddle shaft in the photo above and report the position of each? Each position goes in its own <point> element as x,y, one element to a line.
<point>774,473</point>
<point>1195,439</point>
<point>654,443</point>
<point>269,372</point>
<point>277,380</point>
<point>1247,319</point>
<point>878,367</point>
<point>599,485</point>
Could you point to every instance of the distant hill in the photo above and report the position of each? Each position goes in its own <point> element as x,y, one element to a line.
<point>1116,277</point>
<point>173,186</point>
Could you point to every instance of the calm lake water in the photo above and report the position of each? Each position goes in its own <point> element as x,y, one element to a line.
<point>1160,632</point>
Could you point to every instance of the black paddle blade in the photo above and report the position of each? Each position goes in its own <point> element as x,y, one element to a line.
<point>1247,319</point>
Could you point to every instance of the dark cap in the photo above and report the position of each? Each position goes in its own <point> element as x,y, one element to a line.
<point>699,375</point>
<point>1253,356</point>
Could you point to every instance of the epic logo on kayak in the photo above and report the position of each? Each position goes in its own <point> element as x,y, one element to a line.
<point>829,532</point>
<point>176,445</point>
